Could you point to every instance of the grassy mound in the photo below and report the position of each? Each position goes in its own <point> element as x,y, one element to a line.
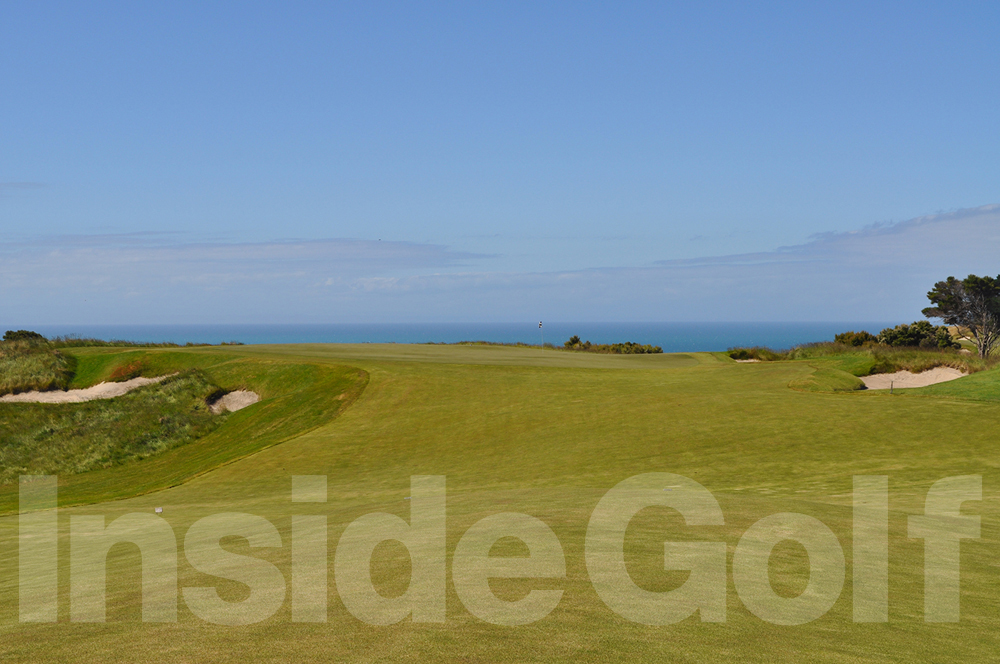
<point>29,361</point>
<point>837,367</point>
<point>982,386</point>
<point>295,397</point>
<point>67,439</point>
<point>827,379</point>
<point>27,366</point>
<point>873,359</point>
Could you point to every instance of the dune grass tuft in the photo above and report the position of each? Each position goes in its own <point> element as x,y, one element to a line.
<point>73,438</point>
<point>27,366</point>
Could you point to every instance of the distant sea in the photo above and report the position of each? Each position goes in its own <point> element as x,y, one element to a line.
<point>673,337</point>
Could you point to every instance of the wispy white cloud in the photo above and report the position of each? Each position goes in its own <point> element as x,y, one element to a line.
<point>877,273</point>
<point>940,237</point>
<point>72,261</point>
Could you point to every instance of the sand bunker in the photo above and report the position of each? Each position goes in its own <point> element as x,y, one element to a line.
<point>746,361</point>
<point>235,401</point>
<point>232,401</point>
<point>907,379</point>
<point>99,391</point>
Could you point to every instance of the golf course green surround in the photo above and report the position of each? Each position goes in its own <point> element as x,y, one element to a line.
<point>295,398</point>
<point>544,433</point>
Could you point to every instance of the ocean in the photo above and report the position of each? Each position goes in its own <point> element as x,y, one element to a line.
<point>672,337</point>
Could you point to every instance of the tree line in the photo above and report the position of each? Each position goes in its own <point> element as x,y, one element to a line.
<point>971,305</point>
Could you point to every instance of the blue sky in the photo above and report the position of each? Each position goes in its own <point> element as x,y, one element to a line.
<point>320,162</point>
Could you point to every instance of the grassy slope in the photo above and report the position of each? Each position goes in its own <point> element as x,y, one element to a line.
<point>41,439</point>
<point>984,386</point>
<point>294,398</point>
<point>827,379</point>
<point>870,359</point>
<point>25,366</point>
<point>547,434</point>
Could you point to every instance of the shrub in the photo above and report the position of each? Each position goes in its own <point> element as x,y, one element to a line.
<point>626,348</point>
<point>920,333</point>
<point>632,348</point>
<point>853,338</point>
<point>23,335</point>
<point>755,353</point>
<point>574,343</point>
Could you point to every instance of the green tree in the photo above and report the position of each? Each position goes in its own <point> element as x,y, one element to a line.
<point>22,335</point>
<point>853,338</point>
<point>921,333</point>
<point>972,304</point>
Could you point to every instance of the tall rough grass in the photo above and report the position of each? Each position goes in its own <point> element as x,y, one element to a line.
<point>73,438</point>
<point>26,366</point>
<point>37,364</point>
<point>874,358</point>
<point>82,342</point>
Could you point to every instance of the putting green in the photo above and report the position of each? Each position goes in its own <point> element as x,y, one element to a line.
<point>548,433</point>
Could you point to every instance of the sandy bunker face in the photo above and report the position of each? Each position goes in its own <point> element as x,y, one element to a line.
<point>99,391</point>
<point>234,401</point>
<point>907,379</point>
<point>229,402</point>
